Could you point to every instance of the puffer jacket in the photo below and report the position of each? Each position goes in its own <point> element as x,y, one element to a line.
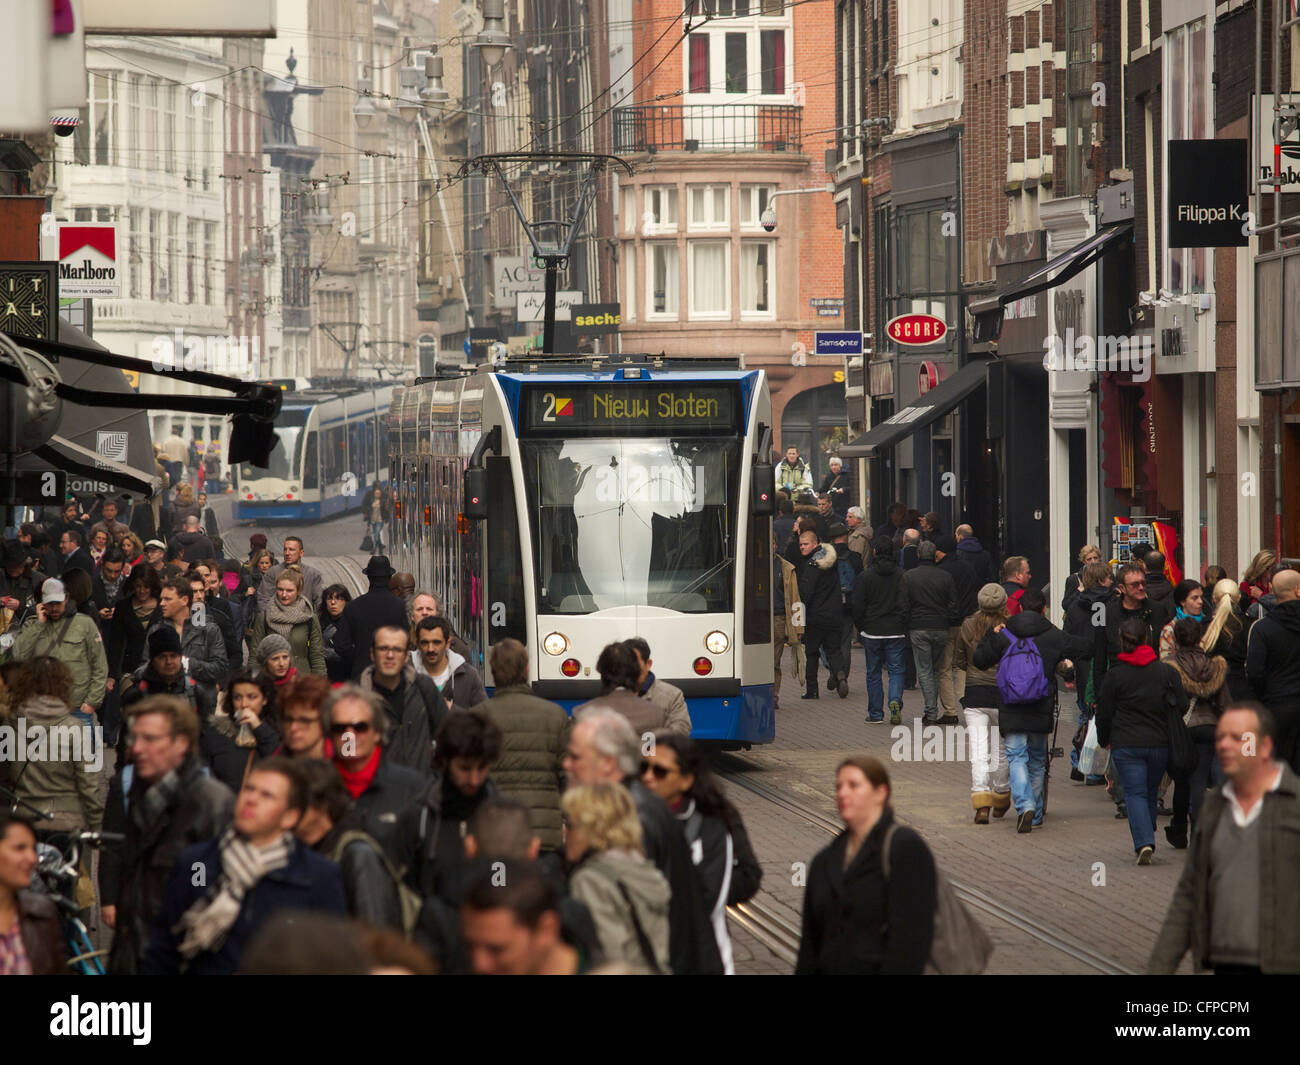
<point>535,737</point>
<point>1205,679</point>
<point>819,588</point>
<point>599,881</point>
<point>67,786</point>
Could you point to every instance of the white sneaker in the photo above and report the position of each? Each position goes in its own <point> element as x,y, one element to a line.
<point>1144,855</point>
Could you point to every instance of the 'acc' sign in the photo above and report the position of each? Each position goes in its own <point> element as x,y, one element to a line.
<point>916,329</point>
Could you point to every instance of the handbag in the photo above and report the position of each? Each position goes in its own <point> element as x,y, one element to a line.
<point>367,544</point>
<point>1182,750</point>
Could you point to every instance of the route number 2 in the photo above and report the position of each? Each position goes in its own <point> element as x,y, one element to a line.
<point>548,415</point>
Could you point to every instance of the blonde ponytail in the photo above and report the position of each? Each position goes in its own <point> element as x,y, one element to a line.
<point>1226,595</point>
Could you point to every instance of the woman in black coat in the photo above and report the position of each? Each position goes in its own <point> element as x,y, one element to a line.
<point>725,867</point>
<point>1226,635</point>
<point>855,920</point>
<point>226,747</point>
<point>133,613</point>
<point>1132,720</point>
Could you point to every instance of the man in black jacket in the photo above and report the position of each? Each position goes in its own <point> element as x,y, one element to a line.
<point>366,613</point>
<point>73,554</point>
<point>416,709</point>
<point>947,559</point>
<point>1086,617</point>
<point>19,580</point>
<point>848,564</point>
<point>819,593</point>
<point>603,747</point>
<point>880,611</point>
<point>979,560</point>
<point>1133,601</point>
<point>932,594</point>
<point>1159,590</point>
<point>387,795</point>
<point>216,612</point>
<point>173,804</point>
<point>1273,663</point>
<point>1025,725</point>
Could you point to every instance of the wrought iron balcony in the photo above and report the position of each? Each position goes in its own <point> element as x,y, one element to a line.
<point>708,128</point>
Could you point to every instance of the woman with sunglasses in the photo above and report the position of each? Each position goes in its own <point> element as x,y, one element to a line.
<point>725,867</point>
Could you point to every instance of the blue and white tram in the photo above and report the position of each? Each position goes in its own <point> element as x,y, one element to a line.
<point>575,503</point>
<point>333,445</point>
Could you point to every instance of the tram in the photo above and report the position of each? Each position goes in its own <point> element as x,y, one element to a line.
<point>332,446</point>
<point>570,501</point>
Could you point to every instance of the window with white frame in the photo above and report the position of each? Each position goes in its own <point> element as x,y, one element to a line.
<point>744,52</point>
<point>661,280</point>
<point>756,278</point>
<point>1187,117</point>
<point>660,213</point>
<point>709,206</point>
<point>135,252</point>
<point>170,99</point>
<point>95,141</point>
<point>753,202</point>
<point>710,278</point>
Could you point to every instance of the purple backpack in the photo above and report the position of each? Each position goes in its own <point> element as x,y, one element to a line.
<point>1021,676</point>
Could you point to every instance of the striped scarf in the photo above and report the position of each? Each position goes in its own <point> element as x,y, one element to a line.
<point>204,925</point>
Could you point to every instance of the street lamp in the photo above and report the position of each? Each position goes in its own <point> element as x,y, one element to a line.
<point>364,109</point>
<point>433,92</point>
<point>320,219</point>
<point>492,40</point>
<point>409,103</point>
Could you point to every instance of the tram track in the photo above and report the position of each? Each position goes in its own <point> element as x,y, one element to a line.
<point>772,929</point>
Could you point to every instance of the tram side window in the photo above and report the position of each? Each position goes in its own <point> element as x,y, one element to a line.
<point>758,582</point>
<point>334,459</point>
<point>310,463</point>
<point>505,563</point>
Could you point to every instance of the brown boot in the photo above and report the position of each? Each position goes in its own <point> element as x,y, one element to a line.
<point>982,815</point>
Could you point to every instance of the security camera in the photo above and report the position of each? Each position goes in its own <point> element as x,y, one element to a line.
<point>768,219</point>
<point>64,125</point>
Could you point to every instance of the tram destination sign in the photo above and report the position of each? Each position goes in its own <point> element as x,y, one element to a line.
<point>665,408</point>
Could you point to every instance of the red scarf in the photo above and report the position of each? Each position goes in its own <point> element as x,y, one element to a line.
<point>293,672</point>
<point>357,781</point>
<point>1143,656</point>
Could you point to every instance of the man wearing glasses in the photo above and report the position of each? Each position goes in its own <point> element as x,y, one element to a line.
<point>387,794</point>
<point>1132,602</point>
<point>415,707</point>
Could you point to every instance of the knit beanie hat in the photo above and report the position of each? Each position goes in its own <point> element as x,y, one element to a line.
<point>163,640</point>
<point>992,597</point>
<point>273,644</point>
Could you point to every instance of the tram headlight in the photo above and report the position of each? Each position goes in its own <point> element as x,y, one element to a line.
<point>717,642</point>
<point>555,644</point>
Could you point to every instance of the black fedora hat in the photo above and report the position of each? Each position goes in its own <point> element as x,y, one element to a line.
<point>379,566</point>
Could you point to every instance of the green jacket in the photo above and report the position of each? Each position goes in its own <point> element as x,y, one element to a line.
<point>1187,922</point>
<point>62,775</point>
<point>82,651</point>
<point>531,767</point>
<point>306,643</point>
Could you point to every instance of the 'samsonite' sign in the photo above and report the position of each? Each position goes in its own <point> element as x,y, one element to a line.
<point>916,329</point>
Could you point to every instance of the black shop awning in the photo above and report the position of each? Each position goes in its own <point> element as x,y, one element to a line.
<point>988,321</point>
<point>928,408</point>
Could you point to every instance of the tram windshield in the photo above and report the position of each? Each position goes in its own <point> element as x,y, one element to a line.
<point>283,460</point>
<point>633,521</point>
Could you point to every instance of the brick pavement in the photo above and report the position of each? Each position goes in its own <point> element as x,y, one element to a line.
<point>1076,875</point>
